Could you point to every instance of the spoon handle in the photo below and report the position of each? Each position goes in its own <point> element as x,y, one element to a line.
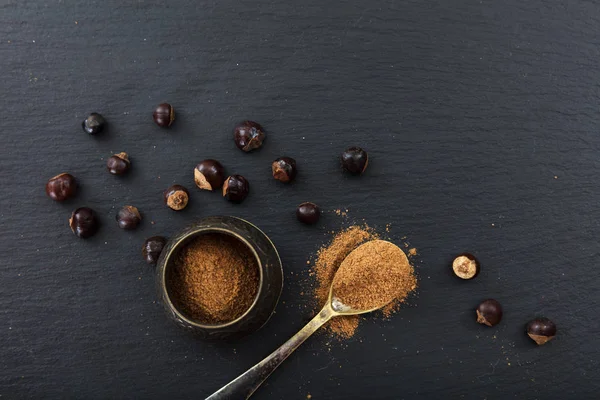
<point>244,385</point>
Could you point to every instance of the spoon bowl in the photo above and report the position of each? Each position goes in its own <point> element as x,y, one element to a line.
<point>389,262</point>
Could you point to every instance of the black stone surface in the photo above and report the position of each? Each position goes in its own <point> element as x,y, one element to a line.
<point>481,122</point>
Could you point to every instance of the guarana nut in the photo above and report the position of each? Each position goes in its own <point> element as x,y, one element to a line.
<point>118,164</point>
<point>465,266</point>
<point>248,135</point>
<point>209,175</point>
<point>164,115</point>
<point>61,187</point>
<point>355,160</point>
<point>176,197</point>
<point>236,188</point>
<point>489,312</point>
<point>83,222</point>
<point>541,330</point>
<point>284,169</point>
<point>152,248</point>
<point>94,124</point>
<point>128,217</point>
<point>308,213</point>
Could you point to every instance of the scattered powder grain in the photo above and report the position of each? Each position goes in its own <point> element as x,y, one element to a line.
<point>214,279</point>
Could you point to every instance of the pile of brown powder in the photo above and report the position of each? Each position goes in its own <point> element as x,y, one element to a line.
<point>214,279</point>
<point>374,275</point>
<point>329,258</point>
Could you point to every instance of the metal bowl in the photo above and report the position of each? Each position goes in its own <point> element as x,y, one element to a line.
<point>270,278</point>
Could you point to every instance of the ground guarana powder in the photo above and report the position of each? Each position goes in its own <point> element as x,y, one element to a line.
<point>373,275</point>
<point>329,258</point>
<point>214,279</point>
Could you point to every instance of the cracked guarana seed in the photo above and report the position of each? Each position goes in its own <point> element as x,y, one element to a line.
<point>176,197</point>
<point>284,169</point>
<point>466,266</point>
<point>209,175</point>
<point>489,312</point>
<point>541,330</point>
<point>236,188</point>
<point>248,135</point>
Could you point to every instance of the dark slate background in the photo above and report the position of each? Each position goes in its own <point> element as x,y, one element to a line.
<point>481,120</point>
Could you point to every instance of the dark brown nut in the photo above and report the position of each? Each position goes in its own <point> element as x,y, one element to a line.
<point>61,187</point>
<point>176,197</point>
<point>209,175</point>
<point>164,115</point>
<point>355,160</point>
<point>541,330</point>
<point>83,222</point>
<point>236,188</point>
<point>118,164</point>
<point>94,124</point>
<point>308,213</point>
<point>153,246</point>
<point>489,312</point>
<point>128,217</point>
<point>284,169</point>
<point>248,135</point>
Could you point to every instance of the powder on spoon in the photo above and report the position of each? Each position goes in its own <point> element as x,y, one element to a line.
<point>329,258</point>
<point>373,275</point>
<point>214,279</point>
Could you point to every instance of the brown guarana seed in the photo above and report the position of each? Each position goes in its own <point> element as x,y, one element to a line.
<point>209,175</point>
<point>236,188</point>
<point>153,247</point>
<point>355,160</point>
<point>489,312</point>
<point>61,187</point>
<point>83,222</point>
<point>176,197</point>
<point>248,135</point>
<point>164,115</point>
<point>284,169</point>
<point>94,124</point>
<point>541,330</point>
<point>118,164</point>
<point>465,266</point>
<point>308,213</point>
<point>128,217</point>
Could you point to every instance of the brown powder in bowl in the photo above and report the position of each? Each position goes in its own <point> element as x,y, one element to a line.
<point>373,275</point>
<point>214,279</point>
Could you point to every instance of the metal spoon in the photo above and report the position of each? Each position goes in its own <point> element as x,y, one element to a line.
<point>246,384</point>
